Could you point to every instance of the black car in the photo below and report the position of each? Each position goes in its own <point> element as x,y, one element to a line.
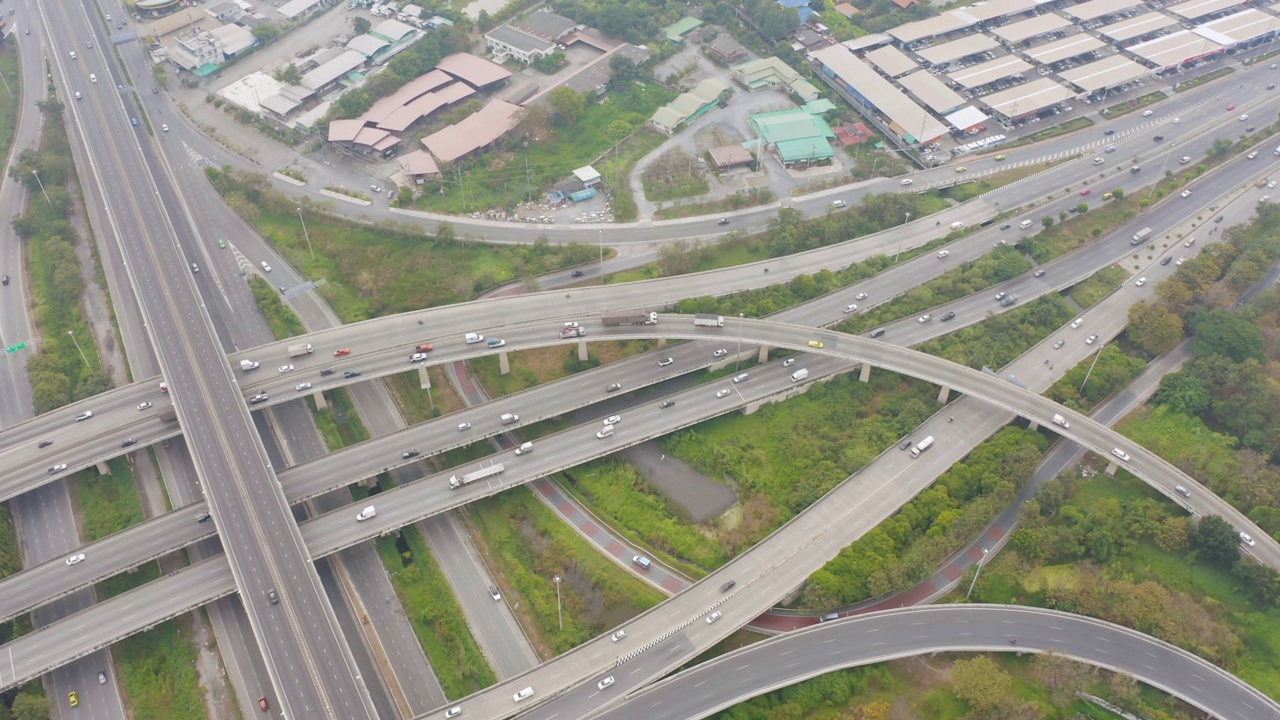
<point>905,444</point>
<point>44,443</point>
<point>410,454</point>
<point>1167,259</point>
<point>203,517</point>
<point>4,279</point>
<point>947,316</point>
<point>666,403</point>
<point>272,596</point>
<point>577,273</point>
<point>1109,131</point>
<point>728,586</point>
<point>129,443</point>
<point>723,221</point>
<point>1158,138</point>
<point>1006,226</point>
<point>327,371</point>
<point>351,374</point>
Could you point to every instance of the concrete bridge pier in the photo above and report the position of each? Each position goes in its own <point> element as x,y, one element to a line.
<point>944,394</point>
<point>864,375</point>
<point>1033,426</point>
<point>582,351</point>
<point>424,378</point>
<point>504,364</point>
<point>763,356</point>
<point>318,396</point>
<point>1111,469</point>
<point>662,342</point>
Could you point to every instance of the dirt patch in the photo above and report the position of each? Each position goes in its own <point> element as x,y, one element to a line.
<point>747,522</point>
<point>696,495</point>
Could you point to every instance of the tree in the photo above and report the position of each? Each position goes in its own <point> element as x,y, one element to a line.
<point>568,103</point>
<point>290,75</point>
<point>1062,676</point>
<point>29,706</point>
<point>1224,333</point>
<point>1217,540</point>
<point>1082,208</point>
<point>361,24</point>
<point>1221,147</point>
<point>981,683</point>
<point>1047,221</point>
<point>625,71</point>
<point>1118,193</point>
<point>1154,328</point>
<point>1183,393</point>
<point>445,232</point>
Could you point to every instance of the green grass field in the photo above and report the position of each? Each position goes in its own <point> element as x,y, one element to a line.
<point>108,503</point>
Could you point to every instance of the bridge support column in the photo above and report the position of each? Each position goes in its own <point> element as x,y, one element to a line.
<point>944,393</point>
<point>318,396</point>
<point>582,351</point>
<point>1111,469</point>
<point>763,357</point>
<point>864,375</point>
<point>504,364</point>
<point>1034,426</point>
<point>103,468</point>
<point>662,342</point>
<point>424,378</point>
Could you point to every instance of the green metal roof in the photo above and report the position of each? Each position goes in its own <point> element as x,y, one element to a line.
<point>676,31</point>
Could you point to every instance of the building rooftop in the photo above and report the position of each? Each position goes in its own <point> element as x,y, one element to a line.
<point>676,31</point>
<point>1108,72</point>
<point>367,45</point>
<point>1175,48</point>
<point>344,63</point>
<point>1016,32</point>
<point>418,162</point>
<point>1032,97</point>
<point>475,70</point>
<point>891,60</point>
<point>1240,27</point>
<point>988,72</point>
<point>392,31</point>
<point>520,40</point>
<point>1099,8</point>
<point>1196,9</point>
<point>956,49</point>
<point>479,130</point>
<point>1137,26</point>
<point>401,118</point>
<point>912,121</point>
<point>931,91</point>
<point>547,24</point>
<point>1067,47</point>
<point>345,130</point>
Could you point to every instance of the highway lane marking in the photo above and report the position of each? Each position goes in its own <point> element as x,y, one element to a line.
<point>1054,627</point>
<point>824,642</point>
<point>788,652</point>
<point>704,682</point>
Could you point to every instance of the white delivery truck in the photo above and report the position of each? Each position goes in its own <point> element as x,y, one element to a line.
<point>247,365</point>
<point>1024,224</point>
<point>456,482</point>
<point>300,350</point>
<point>1059,420</point>
<point>707,320</point>
<point>922,446</point>
<point>510,418</point>
<point>799,375</point>
<point>525,449</point>
<point>473,338</point>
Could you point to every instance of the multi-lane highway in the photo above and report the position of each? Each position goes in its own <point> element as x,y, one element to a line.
<point>306,655</point>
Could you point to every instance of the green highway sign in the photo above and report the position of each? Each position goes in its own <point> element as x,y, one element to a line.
<point>15,347</point>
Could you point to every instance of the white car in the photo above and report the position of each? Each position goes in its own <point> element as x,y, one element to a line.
<point>75,559</point>
<point>464,426</point>
<point>1148,113</point>
<point>1247,539</point>
<point>73,54</point>
<point>943,253</point>
<point>613,420</point>
<point>571,324</point>
<point>1140,282</point>
<point>1184,159</point>
<point>719,353</point>
<point>713,617</point>
<point>366,513</point>
<point>618,635</point>
<point>1091,339</point>
<point>417,357</point>
<point>1059,344</point>
<point>303,386</point>
<point>722,393</point>
<point>1077,323</point>
<point>144,405</point>
<point>1180,260</point>
<point>860,296</point>
<point>496,343</point>
<point>740,378</point>
<point>1185,194</point>
<point>57,468</point>
<point>164,127</point>
<point>665,362</point>
<point>266,267</point>
<point>1252,155</point>
<point>1177,120</point>
<point>837,203</point>
<point>1121,454</point>
<point>788,362</point>
<point>1242,118</point>
<point>286,368</point>
<point>905,181</point>
<point>924,318</point>
<point>604,683</point>
<point>849,308</point>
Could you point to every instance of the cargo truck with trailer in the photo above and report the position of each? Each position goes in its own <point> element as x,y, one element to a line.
<point>300,350</point>
<point>458,481</point>
<point>629,317</point>
<point>922,446</point>
<point>706,320</point>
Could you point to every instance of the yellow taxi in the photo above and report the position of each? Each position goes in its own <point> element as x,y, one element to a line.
<point>962,169</point>
<point>999,157</point>
<point>74,698</point>
<point>816,344</point>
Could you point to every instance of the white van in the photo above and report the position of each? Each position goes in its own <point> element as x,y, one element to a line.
<point>366,513</point>
<point>605,432</point>
<point>1024,224</point>
<point>473,338</point>
<point>525,448</point>
<point>523,694</point>
<point>799,375</point>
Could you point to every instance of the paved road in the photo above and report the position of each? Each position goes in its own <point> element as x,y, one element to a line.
<point>766,666</point>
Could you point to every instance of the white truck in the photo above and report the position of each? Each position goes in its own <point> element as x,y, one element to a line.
<point>1061,421</point>
<point>473,338</point>
<point>707,320</point>
<point>922,446</point>
<point>799,375</point>
<point>509,418</point>
<point>625,317</point>
<point>493,470</point>
<point>573,332</point>
<point>299,350</point>
<point>1139,236</point>
<point>247,365</point>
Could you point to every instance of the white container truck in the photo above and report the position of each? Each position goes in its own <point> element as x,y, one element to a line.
<point>247,365</point>
<point>493,470</point>
<point>1061,421</point>
<point>799,375</point>
<point>473,338</point>
<point>299,350</point>
<point>510,418</point>
<point>922,446</point>
<point>705,320</point>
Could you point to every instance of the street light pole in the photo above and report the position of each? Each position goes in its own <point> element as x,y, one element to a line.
<point>601,236</point>
<point>72,333</point>
<point>306,234</point>
<point>1090,372</point>
<point>739,357</point>
<point>976,572</point>
<point>41,184</point>
<point>558,611</point>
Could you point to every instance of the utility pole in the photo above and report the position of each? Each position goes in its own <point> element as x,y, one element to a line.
<point>72,333</point>
<point>306,234</point>
<point>559,612</point>
<point>975,573</point>
<point>41,183</point>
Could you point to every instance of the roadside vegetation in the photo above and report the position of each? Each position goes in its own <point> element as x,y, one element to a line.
<point>675,175</point>
<point>433,610</point>
<point>529,546</point>
<point>751,197</point>
<point>108,504</point>
<point>58,373</point>
<point>283,321</point>
<point>371,271</point>
<point>1000,339</point>
<point>12,71</point>
<point>339,423</point>
<point>157,670</point>
<point>542,365</point>
<point>417,405</point>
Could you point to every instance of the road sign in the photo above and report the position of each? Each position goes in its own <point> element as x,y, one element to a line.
<point>15,347</point>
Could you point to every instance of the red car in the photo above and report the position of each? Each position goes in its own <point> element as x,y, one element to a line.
<point>1085,191</point>
<point>262,703</point>
<point>1231,107</point>
<point>343,351</point>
